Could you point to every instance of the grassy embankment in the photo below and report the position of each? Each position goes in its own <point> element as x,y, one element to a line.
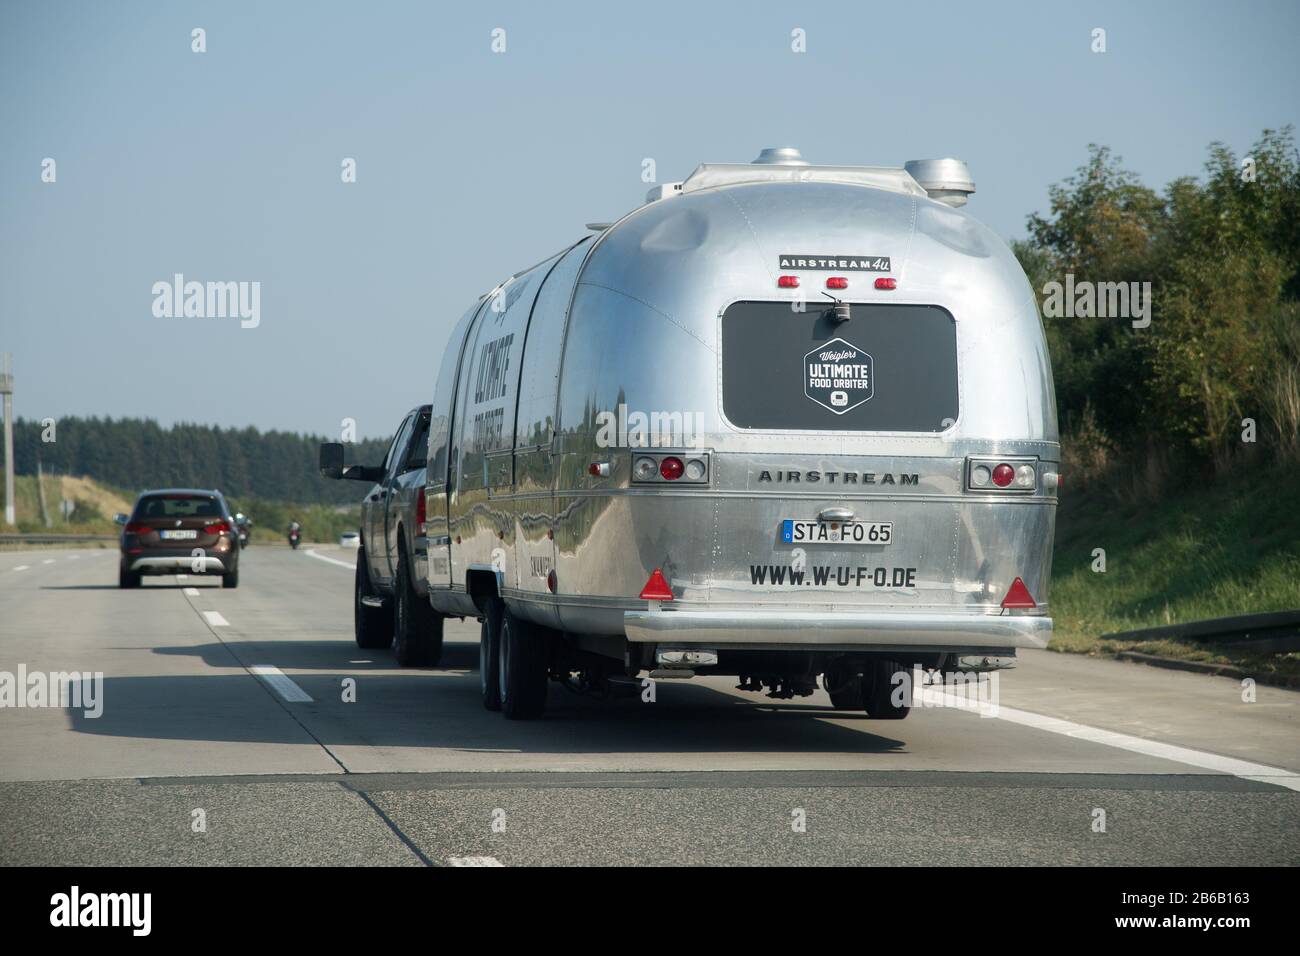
<point>96,504</point>
<point>1201,550</point>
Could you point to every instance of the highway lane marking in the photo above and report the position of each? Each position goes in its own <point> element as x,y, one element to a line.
<point>341,564</point>
<point>215,619</point>
<point>191,592</point>
<point>73,557</point>
<point>48,561</point>
<point>1244,769</point>
<point>474,861</point>
<point>21,567</point>
<point>182,577</point>
<point>281,684</point>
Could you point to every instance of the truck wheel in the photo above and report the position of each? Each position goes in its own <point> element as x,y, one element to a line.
<point>127,579</point>
<point>844,688</point>
<point>373,626</point>
<point>524,665</point>
<point>489,652</point>
<point>417,628</point>
<point>878,689</point>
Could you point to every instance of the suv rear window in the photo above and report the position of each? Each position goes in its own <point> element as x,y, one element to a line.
<point>178,506</point>
<point>890,368</point>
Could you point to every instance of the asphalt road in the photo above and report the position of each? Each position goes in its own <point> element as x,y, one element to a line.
<point>203,722</point>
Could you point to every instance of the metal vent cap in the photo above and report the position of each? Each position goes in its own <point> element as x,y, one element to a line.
<point>780,156</point>
<point>945,180</point>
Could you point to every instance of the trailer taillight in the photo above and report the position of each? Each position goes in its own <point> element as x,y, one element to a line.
<point>1011,475</point>
<point>671,468</point>
<point>837,282</point>
<point>787,282</point>
<point>887,283</point>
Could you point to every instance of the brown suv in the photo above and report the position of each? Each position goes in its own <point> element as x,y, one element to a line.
<point>179,531</point>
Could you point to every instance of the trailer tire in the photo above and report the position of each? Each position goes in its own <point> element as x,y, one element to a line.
<point>489,653</point>
<point>373,626</point>
<point>417,628</point>
<point>524,666</point>
<point>844,687</point>
<point>878,689</point>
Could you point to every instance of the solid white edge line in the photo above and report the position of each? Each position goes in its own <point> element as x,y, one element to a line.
<point>1244,769</point>
<point>341,564</point>
<point>281,684</point>
<point>215,619</point>
<point>474,861</point>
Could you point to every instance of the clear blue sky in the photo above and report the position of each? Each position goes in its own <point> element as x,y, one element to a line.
<point>471,165</point>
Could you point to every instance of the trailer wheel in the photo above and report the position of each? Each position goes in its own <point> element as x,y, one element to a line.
<point>879,688</point>
<point>373,626</point>
<point>844,688</point>
<point>489,653</point>
<point>524,660</point>
<point>417,628</point>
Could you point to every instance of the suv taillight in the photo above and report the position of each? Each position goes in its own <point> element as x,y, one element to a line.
<point>136,527</point>
<point>216,527</point>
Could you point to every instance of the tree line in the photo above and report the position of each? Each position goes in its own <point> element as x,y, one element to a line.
<point>1212,373</point>
<point>132,454</point>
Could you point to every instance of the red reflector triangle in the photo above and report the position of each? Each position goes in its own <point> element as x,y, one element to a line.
<point>657,589</point>
<point>1018,596</point>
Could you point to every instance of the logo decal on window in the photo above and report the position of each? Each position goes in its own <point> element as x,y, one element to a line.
<point>838,376</point>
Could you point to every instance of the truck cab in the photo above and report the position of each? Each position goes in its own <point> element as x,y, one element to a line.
<point>390,600</point>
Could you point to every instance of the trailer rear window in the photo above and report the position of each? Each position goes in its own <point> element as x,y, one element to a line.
<point>888,368</point>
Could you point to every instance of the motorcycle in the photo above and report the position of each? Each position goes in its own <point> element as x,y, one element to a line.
<point>244,526</point>
<point>294,534</point>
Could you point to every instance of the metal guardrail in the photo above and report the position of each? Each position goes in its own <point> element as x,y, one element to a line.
<point>21,538</point>
<point>1214,627</point>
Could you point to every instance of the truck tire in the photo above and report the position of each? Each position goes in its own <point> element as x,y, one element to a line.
<point>878,688</point>
<point>489,653</point>
<point>373,626</point>
<point>127,579</point>
<point>524,666</point>
<point>417,627</point>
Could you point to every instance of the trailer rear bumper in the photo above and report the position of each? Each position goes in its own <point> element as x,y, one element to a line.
<point>866,629</point>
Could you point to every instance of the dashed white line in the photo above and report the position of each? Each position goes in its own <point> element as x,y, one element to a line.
<point>281,684</point>
<point>1244,769</point>
<point>182,577</point>
<point>474,861</point>
<point>215,619</point>
<point>191,592</point>
<point>342,564</point>
<point>21,567</point>
<point>48,561</point>
<point>73,557</point>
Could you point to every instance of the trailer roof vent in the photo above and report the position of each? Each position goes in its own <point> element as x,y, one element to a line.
<point>780,156</point>
<point>944,180</point>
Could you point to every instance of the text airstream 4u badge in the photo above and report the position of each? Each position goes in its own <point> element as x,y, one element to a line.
<point>838,376</point>
<point>835,263</point>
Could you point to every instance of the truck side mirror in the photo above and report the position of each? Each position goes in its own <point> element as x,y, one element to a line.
<point>331,459</point>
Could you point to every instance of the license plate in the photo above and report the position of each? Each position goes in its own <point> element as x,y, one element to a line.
<point>178,535</point>
<point>836,532</point>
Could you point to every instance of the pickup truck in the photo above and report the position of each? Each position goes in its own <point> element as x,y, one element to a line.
<point>390,597</point>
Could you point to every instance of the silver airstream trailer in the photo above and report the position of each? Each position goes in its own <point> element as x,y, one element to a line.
<point>782,421</point>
